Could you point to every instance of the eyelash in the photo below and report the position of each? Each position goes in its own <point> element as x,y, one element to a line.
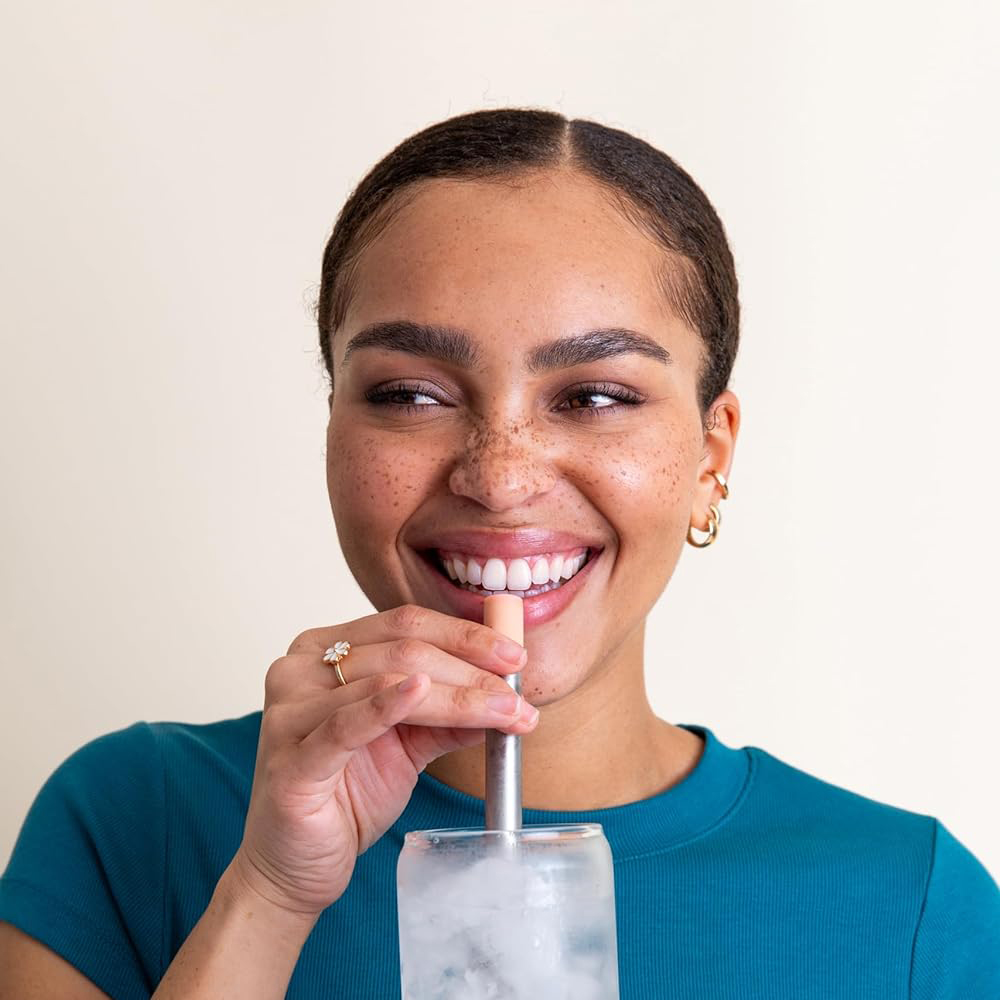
<point>623,396</point>
<point>383,395</point>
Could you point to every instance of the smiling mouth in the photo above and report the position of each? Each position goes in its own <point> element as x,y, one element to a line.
<point>526,576</point>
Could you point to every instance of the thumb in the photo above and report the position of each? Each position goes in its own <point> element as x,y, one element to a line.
<point>426,743</point>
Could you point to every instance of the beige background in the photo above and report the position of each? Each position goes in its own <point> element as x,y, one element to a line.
<point>170,173</point>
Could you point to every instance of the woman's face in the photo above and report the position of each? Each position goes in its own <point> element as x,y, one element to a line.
<point>530,419</point>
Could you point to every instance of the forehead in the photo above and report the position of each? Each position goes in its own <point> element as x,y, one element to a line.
<point>533,258</point>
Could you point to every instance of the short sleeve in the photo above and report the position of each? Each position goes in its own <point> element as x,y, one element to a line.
<point>956,951</point>
<point>86,877</point>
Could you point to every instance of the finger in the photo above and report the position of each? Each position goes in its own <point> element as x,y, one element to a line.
<point>293,719</point>
<point>292,676</point>
<point>469,641</point>
<point>425,743</point>
<point>412,656</point>
<point>473,708</point>
<point>328,748</point>
<point>445,705</point>
<point>442,707</point>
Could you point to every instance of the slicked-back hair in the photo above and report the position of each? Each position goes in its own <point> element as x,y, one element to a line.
<point>698,277</point>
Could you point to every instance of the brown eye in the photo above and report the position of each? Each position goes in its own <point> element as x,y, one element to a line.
<point>590,401</point>
<point>407,397</point>
<point>598,397</point>
<point>403,394</point>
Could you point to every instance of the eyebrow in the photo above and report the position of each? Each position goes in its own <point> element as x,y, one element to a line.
<point>422,339</point>
<point>456,347</point>
<point>594,345</point>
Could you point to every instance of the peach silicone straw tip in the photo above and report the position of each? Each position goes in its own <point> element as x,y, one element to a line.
<point>505,614</point>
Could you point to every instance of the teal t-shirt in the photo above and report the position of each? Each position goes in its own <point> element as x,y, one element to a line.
<point>748,880</point>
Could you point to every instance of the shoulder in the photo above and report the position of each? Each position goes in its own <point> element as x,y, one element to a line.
<point>928,880</point>
<point>137,758</point>
<point>863,845</point>
<point>229,744</point>
<point>117,792</point>
<point>805,802</point>
<point>128,772</point>
<point>116,772</point>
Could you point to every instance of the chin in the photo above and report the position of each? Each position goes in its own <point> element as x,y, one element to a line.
<point>552,676</point>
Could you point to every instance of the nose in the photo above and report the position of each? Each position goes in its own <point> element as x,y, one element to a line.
<point>502,468</point>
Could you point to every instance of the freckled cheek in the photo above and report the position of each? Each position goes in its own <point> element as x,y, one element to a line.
<point>374,483</point>
<point>642,486</point>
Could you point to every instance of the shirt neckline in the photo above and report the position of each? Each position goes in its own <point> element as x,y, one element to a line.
<point>701,800</point>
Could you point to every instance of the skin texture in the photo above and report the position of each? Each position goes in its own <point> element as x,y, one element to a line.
<point>496,447</point>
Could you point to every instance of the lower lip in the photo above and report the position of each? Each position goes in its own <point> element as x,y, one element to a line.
<point>537,610</point>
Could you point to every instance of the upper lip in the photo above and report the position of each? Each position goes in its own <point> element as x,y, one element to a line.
<point>504,544</point>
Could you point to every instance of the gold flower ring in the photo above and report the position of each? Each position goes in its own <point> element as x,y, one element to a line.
<point>337,652</point>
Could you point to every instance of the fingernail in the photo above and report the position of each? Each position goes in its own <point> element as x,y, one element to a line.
<point>506,704</point>
<point>512,652</point>
<point>530,713</point>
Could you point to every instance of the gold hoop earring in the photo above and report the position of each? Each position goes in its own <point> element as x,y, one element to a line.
<point>714,519</point>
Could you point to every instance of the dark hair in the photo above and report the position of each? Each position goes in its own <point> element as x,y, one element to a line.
<point>649,188</point>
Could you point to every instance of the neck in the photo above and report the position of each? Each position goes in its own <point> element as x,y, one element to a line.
<point>600,746</point>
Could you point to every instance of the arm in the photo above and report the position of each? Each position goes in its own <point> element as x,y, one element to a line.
<point>242,947</point>
<point>31,971</point>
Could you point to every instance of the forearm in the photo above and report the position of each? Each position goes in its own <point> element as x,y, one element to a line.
<point>242,947</point>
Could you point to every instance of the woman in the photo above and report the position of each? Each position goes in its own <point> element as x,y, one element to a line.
<point>529,326</point>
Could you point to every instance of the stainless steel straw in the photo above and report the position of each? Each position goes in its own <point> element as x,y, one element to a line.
<point>505,613</point>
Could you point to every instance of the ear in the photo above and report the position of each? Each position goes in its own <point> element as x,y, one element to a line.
<point>723,421</point>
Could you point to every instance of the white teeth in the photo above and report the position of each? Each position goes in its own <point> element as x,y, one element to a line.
<point>518,575</point>
<point>556,568</point>
<point>494,575</point>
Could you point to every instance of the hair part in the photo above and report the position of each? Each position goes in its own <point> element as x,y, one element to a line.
<point>698,277</point>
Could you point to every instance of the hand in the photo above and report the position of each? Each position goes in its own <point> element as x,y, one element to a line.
<point>336,764</point>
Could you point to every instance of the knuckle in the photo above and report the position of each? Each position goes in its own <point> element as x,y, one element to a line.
<point>470,635</point>
<point>274,678</point>
<point>333,728</point>
<point>382,682</point>
<point>489,682</point>
<point>406,618</point>
<point>408,652</point>
<point>272,722</point>
<point>381,707</point>
<point>306,642</point>
<point>272,770</point>
<point>462,699</point>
